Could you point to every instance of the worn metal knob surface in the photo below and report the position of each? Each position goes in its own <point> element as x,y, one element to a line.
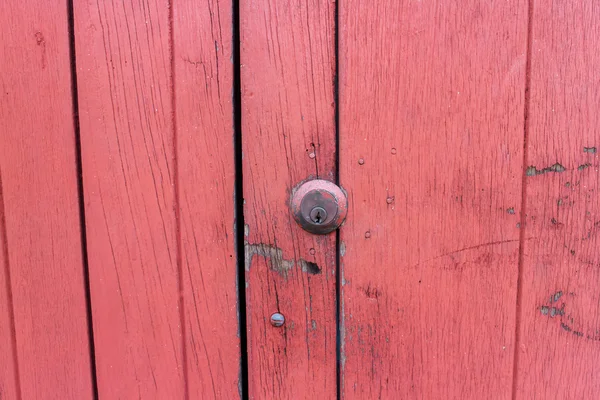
<point>319,206</point>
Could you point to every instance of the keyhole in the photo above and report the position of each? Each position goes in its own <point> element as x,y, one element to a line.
<point>318,215</point>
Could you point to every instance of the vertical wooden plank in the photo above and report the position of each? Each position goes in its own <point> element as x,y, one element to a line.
<point>157,129</point>
<point>41,235</point>
<point>9,368</point>
<point>288,128</point>
<point>206,175</point>
<point>431,139</point>
<point>125,88</point>
<point>559,335</point>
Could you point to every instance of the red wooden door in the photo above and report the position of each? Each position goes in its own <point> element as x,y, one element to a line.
<point>149,152</point>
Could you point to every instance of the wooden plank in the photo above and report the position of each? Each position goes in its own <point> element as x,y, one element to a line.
<point>157,128</point>
<point>41,235</point>
<point>206,175</point>
<point>431,139</point>
<point>287,74</point>
<point>124,84</point>
<point>9,369</point>
<point>559,330</point>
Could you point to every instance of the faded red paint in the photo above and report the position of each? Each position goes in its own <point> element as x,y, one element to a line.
<point>468,138</point>
<point>431,152</point>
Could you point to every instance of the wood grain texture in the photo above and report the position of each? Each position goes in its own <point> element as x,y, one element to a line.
<point>156,126</point>
<point>41,237</point>
<point>287,77</point>
<point>559,335</point>
<point>123,75</point>
<point>203,73</point>
<point>431,141</point>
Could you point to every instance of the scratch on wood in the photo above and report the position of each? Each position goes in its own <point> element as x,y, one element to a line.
<point>40,41</point>
<point>468,248</point>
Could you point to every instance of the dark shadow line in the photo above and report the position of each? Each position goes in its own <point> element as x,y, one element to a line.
<point>239,203</point>
<point>9,295</point>
<point>518,310</point>
<point>79,168</point>
<point>176,198</point>
<point>338,261</point>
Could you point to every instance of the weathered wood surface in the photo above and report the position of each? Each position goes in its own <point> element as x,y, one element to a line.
<point>288,128</point>
<point>431,143</point>
<point>44,344</point>
<point>203,71</point>
<point>448,213</point>
<point>156,126</point>
<point>559,318</point>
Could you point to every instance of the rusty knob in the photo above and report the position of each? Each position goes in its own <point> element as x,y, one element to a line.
<point>319,206</point>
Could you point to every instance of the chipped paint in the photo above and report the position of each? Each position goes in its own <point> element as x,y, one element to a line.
<point>533,171</point>
<point>591,150</point>
<point>272,253</point>
<point>556,296</point>
<point>277,263</point>
<point>566,320</point>
<point>309,267</point>
<point>584,166</point>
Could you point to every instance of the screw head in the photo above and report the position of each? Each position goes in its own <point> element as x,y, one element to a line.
<point>277,320</point>
<point>318,215</point>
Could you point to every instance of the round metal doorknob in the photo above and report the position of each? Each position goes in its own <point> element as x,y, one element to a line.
<point>319,206</point>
